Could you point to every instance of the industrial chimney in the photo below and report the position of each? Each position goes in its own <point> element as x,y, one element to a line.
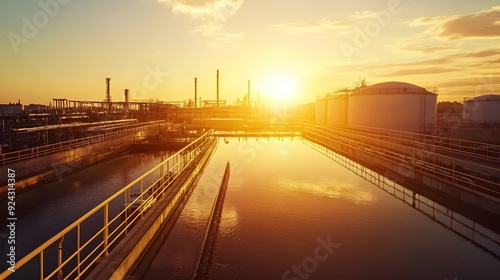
<point>195,92</point>
<point>108,94</point>
<point>249,102</point>
<point>217,87</point>
<point>126,101</point>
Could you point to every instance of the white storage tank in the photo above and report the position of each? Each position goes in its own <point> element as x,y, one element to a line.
<point>395,106</point>
<point>321,107</point>
<point>484,108</point>
<point>337,110</point>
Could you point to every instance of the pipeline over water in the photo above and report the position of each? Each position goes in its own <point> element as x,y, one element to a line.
<point>204,259</point>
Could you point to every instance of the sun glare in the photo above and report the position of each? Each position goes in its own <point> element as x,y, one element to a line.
<point>281,86</point>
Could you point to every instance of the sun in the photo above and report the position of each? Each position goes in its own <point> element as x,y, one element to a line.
<point>281,86</point>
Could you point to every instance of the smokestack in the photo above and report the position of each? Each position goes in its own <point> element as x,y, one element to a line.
<point>217,87</point>
<point>195,92</point>
<point>258,100</point>
<point>126,100</point>
<point>249,102</point>
<point>108,93</point>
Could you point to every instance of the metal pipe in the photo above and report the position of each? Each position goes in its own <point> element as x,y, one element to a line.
<point>217,87</point>
<point>249,102</point>
<point>195,92</point>
<point>108,94</point>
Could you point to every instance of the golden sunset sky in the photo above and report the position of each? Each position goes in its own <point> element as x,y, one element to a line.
<point>66,48</point>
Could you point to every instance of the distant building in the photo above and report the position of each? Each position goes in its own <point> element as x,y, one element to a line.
<point>11,109</point>
<point>35,108</point>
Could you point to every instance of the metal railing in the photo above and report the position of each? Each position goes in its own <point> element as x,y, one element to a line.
<point>467,174</point>
<point>96,233</point>
<point>480,236</point>
<point>71,144</point>
<point>429,142</point>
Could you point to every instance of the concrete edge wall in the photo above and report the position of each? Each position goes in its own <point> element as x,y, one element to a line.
<point>129,250</point>
<point>36,171</point>
<point>482,201</point>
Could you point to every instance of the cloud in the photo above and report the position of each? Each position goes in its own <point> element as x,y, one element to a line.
<point>421,21</point>
<point>458,59</point>
<point>426,49</point>
<point>213,9</point>
<point>209,29</point>
<point>483,24</point>
<point>483,53</point>
<point>227,38</point>
<point>213,14</point>
<point>470,82</point>
<point>328,24</point>
<point>418,71</point>
<point>418,63</point>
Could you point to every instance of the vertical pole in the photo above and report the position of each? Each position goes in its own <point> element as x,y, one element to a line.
<point>140,200</point>
<point>105,232</point>
<point>195,92</point>
<point>108,94</point>
<point>217,87</point>
<point>127,206</point>
<point>78,239</point>
<point>249,101</point>
<point>126,101</point>
<point>258,100</point>
<point>41,266</point>
<point>59,259</point>
<point>161,177</point>
<point>47,130</point>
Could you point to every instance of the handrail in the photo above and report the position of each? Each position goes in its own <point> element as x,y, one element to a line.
<point>150,186</point>
<point>477,234</point>
<point>474,147</point>
<point>36,152</point>
<point>462,172</point>
<point>429,146</point>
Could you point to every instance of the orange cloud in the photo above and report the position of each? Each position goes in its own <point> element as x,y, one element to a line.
<point>213,14</point>
<point>215,9</point>
<point>483,24</point>
<point>329,23</point>
<point>427,48</point>
<point>418,71</point>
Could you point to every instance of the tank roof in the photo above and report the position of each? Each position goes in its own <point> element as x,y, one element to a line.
<point>492,97</point>
<point>393,87</point>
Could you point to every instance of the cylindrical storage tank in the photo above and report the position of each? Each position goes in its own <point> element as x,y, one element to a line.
<point>321,107</point>
<point>484,108</point>
<point>395,106</point>
<point>337,110</point>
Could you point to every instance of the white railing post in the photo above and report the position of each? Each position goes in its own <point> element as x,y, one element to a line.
<point>78,257</point>
<point>59,259</point>
<point>106,232</point>
<point>41,265</point>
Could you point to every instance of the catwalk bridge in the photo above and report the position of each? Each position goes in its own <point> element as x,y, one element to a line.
<point>108,241</point>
